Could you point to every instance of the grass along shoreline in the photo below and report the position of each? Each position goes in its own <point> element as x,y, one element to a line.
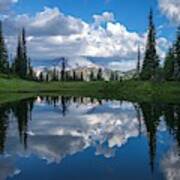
<point>126,90</point>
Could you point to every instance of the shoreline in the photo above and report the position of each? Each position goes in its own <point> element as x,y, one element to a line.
<point>135,91</point>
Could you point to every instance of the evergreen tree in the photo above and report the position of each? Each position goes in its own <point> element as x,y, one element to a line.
<point>116,76</point>
<point>47,77</point>
<point>138,68</point>
<point>112,76</point>
<point>99,75</point>
<point>151,59</point>
<point>24,52</point>
<point>63,70</point>
<point>21,61</point>
<point>169,65</point>
<point>55,75</point>
<point>74,76</point>
<point>18,59</point>
<point>177,56</point>
<point>41,77</point>
<point>13,68</point>
<point>91,76</point>
<point>66,76</point>
<point>121,79</point>
<point>30,70</point>
<point>3,53</point>
<point>82,77</point>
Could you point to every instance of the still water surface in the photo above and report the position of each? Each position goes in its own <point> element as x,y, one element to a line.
<point>66,138</point>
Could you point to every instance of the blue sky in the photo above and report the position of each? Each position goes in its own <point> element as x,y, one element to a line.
<point>97,28</point>
<point>132,13</point>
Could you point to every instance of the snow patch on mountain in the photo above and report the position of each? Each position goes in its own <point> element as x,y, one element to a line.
<point>71,63</point>
<point>80,62</point>
<point>84,65</point>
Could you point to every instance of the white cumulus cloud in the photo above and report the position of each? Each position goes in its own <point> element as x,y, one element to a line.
<point>105,17</point>
<point>52,34</point>
<point>171,8</point>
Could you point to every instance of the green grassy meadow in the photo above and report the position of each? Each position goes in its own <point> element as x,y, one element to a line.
<point>130,90</point>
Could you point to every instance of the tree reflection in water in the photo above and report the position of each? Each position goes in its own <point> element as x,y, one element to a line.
<point>148,115</point>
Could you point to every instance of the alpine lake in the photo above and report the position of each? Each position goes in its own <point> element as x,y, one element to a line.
<point>66,138</point>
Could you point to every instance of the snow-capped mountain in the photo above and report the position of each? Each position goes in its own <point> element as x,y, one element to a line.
<point>80,62</point>
<point>71,63</point>
<point>80,65</point>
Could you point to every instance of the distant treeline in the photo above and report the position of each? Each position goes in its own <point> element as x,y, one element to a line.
<point>72,75</point>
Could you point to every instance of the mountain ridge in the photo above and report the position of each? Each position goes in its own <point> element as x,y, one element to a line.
<point>78,64</point>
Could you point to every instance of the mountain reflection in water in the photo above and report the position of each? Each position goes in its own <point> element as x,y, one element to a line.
<point>116,137</point>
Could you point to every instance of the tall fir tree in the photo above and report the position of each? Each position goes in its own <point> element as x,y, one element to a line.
<point>67,76</point>
<point>177,56</point>
<point>151,59</point>
<point>112,76</point>
<point>24,52</point>
<point>99,75</point>
<point>18,59</point>
<point>82,76</point>
<point>30,71</point>
<point>116,76</point>
<point>91,77</point>
<point>55,75</point>
<point>138,68</point>
<point>74,75</point>
<point>63,69</point>
<point>21,60</point>
<point>169,65</point>
<point>41,77</point>
<point>4,65</point>
<point>47,77</point>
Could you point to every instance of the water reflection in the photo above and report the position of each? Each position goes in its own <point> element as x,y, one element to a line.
<point>171,164</point>
<point>52,128</point>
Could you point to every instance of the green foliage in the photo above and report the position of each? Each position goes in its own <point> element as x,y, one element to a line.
<point>31,74</point>
<point>92,78</point>
<point>47,77</point>
<point>41,77</point>
<point>18,59</point>
<point>112,76</point>
<point>74,76</point>
<point>99,75</point>
<point>24,52</point>
<point>172,61</point>
<point>169,65</point>
<point>127,90</point>
<point>63,69</point>
<point>4,65</point>
<point>55,75</point>
<point>138,66</point>
<point>151,59</point>
<point>82,77</point>
<point>177,56</point>
<point>22,65</point>
<point>67,76</point>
